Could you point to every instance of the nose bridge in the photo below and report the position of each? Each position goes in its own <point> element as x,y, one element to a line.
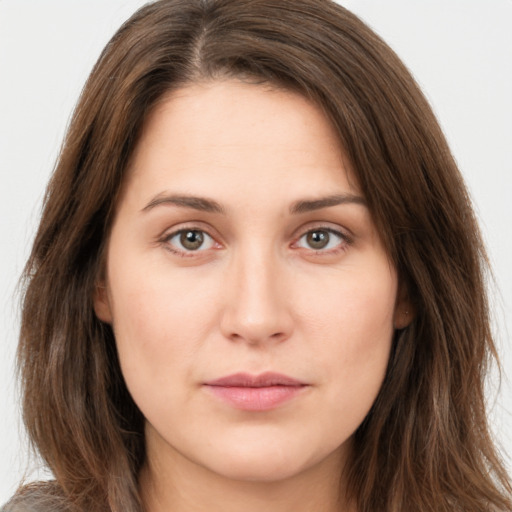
<point>257,310</point>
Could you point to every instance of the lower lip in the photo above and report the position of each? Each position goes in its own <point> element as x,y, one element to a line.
<point>256,399</point>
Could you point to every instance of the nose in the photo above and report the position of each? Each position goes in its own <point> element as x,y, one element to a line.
<point>257,308</point>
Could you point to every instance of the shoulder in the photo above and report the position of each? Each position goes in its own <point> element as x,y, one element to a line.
<point>37,497</point>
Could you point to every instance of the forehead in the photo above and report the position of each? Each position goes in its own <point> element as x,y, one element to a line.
<point>213,135</point>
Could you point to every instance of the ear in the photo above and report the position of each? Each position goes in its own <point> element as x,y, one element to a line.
<point>101,302</point>
<point>404,310</point>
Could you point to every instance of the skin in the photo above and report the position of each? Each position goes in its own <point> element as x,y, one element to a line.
<point>255,297</point>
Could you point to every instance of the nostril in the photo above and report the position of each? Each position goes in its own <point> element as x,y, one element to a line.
<point>256,338</point>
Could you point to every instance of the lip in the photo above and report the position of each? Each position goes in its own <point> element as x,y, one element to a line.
<point>261,392</point>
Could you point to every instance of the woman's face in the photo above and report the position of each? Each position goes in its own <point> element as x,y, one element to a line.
<point>252,301</point>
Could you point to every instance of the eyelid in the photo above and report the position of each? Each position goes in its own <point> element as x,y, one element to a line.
<point>207,239</point>
<point>170,233</point>
<point>344,234</point>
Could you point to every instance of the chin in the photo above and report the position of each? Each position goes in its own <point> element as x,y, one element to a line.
<point>270,462</point>
<point>264,471</point>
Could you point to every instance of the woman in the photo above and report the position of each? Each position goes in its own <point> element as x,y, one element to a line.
<point>257,282</point>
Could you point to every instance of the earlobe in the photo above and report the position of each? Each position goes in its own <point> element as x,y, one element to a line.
<point>403,317</point>
<point>404,310</point>
<point>102,303</point>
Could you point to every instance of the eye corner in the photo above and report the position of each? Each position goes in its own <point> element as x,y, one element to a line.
<point>189,241</point>
<point>324,240</point>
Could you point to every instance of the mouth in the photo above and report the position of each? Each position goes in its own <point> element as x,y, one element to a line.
<point>256,392</point>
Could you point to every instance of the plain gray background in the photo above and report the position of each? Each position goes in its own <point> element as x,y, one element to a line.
<point>460,51</point>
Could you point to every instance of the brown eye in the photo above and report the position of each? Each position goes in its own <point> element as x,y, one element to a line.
<point>322,240</point>
<point>318,239</point>
<point>190,240</point>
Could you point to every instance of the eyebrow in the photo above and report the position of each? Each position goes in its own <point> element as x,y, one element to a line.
<point>310,205</point>
<point>209,205</point>
<point>197,203</point>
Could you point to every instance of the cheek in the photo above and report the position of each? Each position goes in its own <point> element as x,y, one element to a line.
<point>159,323</point>
<point>353,324</point>
<point>151,300</point>
<point>357,307</point>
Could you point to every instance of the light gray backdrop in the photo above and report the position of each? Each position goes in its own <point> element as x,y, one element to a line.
<point>460,51</point>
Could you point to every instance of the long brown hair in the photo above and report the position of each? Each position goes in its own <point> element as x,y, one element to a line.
<point>425,445</point>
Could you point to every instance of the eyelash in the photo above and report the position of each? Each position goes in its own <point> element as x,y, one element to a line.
<point>342,245</point>
<point>184,253</point>
<point>344,242</point>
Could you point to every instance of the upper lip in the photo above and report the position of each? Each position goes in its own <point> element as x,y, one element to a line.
<point>246,380</point>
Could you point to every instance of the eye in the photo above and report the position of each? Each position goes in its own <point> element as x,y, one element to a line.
<point>322,239</point>
<point>190,240</point>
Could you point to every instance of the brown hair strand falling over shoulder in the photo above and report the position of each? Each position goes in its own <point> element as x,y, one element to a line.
<point>425,445</point>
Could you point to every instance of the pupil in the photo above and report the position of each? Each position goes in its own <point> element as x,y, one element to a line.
<point>318,239</point>
<point>191,240</point>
